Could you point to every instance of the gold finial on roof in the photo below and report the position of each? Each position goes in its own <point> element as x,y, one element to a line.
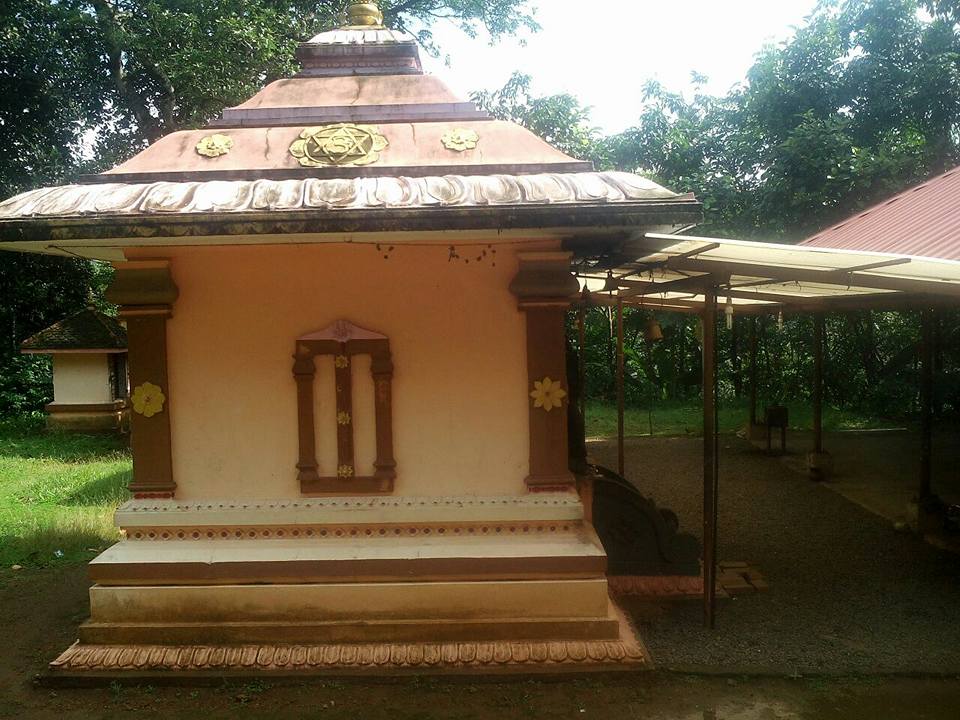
<point>364,14</point>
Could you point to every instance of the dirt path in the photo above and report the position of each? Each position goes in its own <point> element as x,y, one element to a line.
<point>42,608</point>
<point>848,593</point>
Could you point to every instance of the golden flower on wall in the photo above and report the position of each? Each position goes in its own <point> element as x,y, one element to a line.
<point>460,139</point>
<point>147,399</point>
<point>342,144</point>
<point>345,471</point>
<point>215,145</point>
<point>548,394</point>
<point>341,362</point>
<point>343,418</point>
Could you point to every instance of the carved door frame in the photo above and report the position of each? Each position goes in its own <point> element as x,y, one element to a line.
<point>344,341</point>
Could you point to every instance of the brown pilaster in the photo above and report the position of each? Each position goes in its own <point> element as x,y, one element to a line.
<point>382,368</point>
<point>544,287</point>
<point>145,292</point>
<point>304,371</point>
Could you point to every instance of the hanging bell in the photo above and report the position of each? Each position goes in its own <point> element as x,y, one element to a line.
<point>610,285</point>
<point>586,298</point>
<point>728,311</point>
<point>653,332</point>
<point>780,321</point>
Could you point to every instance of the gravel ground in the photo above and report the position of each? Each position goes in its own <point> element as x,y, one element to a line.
<point>848,593</point>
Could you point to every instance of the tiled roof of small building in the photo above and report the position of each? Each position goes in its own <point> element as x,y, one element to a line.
<point>85,330</point>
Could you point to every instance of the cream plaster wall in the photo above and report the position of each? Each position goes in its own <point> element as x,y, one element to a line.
<point>81,379</point>
<point>458,342</point>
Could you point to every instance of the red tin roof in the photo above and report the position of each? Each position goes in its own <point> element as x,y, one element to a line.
<point>923,221</point>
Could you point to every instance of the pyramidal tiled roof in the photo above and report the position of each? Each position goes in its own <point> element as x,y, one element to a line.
<point>85,330</point>
<point>360,139</point>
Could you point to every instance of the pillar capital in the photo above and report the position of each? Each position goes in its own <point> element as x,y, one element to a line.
<point>142,287</point>
<point>544,279</point>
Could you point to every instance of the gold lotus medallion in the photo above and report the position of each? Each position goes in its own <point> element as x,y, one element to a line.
<point>213,146</point>
<point>148,399</point>
<point>342,144</point>
<point>548,394</point>
<point>460,140</point>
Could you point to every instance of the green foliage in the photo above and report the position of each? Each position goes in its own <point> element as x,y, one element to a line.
<point>871,361</point>
<point>559,119</point>
<point>57,493</point>
<point>863,101</point>
<point>37,291</point>
<point>133,70</point>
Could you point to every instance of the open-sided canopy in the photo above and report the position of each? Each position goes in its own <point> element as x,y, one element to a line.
<point>672,272</point>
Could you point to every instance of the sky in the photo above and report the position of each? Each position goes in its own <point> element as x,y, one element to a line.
<point>604,62</point>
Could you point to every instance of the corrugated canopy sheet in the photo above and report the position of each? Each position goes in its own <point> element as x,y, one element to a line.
<point>923,221</point>
<point>674,271</point>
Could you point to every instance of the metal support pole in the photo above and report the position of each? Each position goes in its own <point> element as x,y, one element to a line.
<point>581,361</point>
<point>753,372</point>
<point>926,403</point>
<point>818,327</point>
<point>620,393</point>
<point>710,467</point>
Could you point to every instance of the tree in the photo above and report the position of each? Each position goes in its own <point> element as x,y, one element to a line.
<point>863,101</point>
<point>559,119</point>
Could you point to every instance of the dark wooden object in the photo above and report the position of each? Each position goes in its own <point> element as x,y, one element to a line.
<point>639,538</point>
<point>818,323</point>
<point>926,404</point>
<point>777,416</point>
<point>621,462</point>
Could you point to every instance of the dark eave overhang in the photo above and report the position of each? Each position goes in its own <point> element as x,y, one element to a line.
<point>584,219</point>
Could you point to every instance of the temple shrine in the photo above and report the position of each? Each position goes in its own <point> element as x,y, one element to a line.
<point>345,303</point>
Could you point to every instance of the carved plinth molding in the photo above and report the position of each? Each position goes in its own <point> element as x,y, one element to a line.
<point>625,653</point>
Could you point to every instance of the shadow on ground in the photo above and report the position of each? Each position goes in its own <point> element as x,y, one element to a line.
<point>849,594</point>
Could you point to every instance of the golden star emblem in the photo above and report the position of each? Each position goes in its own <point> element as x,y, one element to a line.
<point>342,144</point>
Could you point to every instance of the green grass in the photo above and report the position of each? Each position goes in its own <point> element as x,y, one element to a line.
<point>58,492</point>
<point>670,419</point>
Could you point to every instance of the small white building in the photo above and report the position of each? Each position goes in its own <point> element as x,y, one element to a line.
<point>89,352</point>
